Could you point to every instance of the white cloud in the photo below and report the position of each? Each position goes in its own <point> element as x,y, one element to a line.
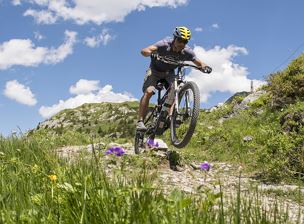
<point>87,91</point>
<point>198,29</point>
<point>38,36</point>
<point>103,38</point>
<point>20,93</point>
<point>92,41</point>
<point>24,52</point>
<point>227,76</point>
<point>96,11</point>
<point>84,87</point>
<point>16,2</point>
<point>215,26</point>
<point>55,56</point>
<point>43,16</point>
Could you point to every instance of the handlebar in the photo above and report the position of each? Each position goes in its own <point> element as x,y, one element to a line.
<point>179,64</point>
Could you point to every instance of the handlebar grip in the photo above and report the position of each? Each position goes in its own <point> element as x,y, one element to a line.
<point>207,69</point>
<point>154,56</point>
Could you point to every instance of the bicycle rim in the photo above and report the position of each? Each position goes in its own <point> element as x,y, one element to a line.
<point>184,119</point>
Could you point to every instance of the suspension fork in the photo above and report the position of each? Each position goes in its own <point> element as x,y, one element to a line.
<point>176,91</point>
<point>187,99</point>
<point>176,103</point>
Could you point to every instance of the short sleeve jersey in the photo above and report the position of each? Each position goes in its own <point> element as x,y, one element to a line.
<point>164,48</point>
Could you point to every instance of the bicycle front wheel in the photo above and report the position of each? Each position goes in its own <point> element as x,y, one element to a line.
<point>185,116</point>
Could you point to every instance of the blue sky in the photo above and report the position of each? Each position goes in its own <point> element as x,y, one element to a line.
<point>60,54</point>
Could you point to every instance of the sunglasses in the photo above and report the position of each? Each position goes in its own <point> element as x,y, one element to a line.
<point>181,40</point>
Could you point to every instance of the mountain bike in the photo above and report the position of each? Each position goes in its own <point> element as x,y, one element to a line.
<point>181,117</point>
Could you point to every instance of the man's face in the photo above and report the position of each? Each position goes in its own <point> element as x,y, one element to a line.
<point>180,44</point>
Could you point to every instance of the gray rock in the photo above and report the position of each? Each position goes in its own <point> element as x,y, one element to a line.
<point>161,144</point>
<point>247,138</point>
<point>248,99</point>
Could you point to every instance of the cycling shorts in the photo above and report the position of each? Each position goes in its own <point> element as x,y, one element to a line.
<point>152,77</point>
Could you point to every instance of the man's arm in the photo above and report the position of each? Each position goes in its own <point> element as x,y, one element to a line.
<point>199,63</point>
<point>204,68</point>
<point>148,50</point>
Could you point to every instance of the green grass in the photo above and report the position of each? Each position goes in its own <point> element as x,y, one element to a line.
<point>273,154</point>
<point>83,193</point>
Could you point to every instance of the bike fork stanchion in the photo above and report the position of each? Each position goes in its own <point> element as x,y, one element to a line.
<point>176,96</point>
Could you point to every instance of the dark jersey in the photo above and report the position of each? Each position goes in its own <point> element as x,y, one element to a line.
<point>164,48</point>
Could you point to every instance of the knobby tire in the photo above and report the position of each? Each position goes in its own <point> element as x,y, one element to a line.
<point>180,143</point>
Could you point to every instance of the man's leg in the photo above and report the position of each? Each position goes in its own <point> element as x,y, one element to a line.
<point>144,103</point>
<point>148,89</point>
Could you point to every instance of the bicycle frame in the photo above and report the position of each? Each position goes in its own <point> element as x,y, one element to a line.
<point>178,79</point>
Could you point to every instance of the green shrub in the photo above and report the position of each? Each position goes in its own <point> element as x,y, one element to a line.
<point>292,120</point>
<point>287,86</point>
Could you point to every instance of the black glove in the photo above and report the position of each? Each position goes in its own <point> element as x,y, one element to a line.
<point>207,69</point>
<point>154,56</point>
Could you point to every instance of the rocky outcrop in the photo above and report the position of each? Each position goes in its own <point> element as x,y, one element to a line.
<point>237,95</point>
<point>247,100</point>
<point>244,104</point>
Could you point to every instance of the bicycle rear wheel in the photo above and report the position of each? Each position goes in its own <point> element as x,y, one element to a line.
<point>184,119</point>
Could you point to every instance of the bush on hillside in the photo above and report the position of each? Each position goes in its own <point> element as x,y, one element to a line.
<point>287,86</point>
<point>292,122</point>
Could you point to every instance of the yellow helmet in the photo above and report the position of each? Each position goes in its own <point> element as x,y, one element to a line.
<point>182,32</point>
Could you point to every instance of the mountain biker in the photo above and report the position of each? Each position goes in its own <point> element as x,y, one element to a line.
<point>175,48</point>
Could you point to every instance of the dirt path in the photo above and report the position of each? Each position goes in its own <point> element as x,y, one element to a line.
<point>191,179</point>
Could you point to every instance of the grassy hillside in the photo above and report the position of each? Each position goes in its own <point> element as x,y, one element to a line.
<point>114,120</point>
<point>265,134</point>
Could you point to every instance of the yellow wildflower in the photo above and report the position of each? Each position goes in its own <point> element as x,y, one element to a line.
<point>53,177</point>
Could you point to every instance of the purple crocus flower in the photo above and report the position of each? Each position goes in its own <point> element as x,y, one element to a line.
<point>151,143</point>
<point>205,166</point>
<point>117,151</point>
